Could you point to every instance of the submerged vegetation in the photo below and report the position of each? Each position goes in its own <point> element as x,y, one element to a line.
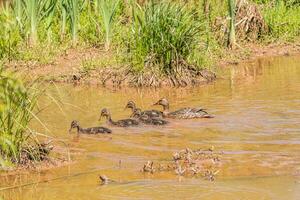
<point>170,39</point>
<point>18,144</point>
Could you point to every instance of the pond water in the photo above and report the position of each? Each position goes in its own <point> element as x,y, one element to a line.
<point>257,127</point>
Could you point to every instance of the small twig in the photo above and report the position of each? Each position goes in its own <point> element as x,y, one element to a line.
<point>48,180</point>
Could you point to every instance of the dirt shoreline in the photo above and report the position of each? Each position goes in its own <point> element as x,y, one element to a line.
<point>51,156</point>
<point>67,67</point>
<point>252,52</point>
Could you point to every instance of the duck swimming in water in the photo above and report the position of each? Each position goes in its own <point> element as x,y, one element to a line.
<point>146,119</point>
<point>184,113</point>
<point>121,123</point>
<point>92,130</point>
<point>150,113</point>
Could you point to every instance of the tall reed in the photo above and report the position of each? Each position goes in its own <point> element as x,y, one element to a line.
<point>50,6</point>
<point>17,102</point>
<point>63,11</point>
<point>18,4</point>
<point>231,35</point>
<point>107,10</point>
<point>37,10</point>
<point>73,9</point>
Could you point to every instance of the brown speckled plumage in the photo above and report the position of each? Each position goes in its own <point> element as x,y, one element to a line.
<point>121,123</point>
<point>148,120</point>
<point>184,113</point>
<point>150,113</point>
<point>92,130</point>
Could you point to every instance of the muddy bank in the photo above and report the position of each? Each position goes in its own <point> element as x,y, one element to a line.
<point>93,66</point>
<point>38,157</point>
<point>250,52</point>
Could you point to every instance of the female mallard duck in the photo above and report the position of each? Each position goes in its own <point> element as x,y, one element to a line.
<point>122,123</point>
<point>150,113</point>
<point>93,130</point>
<point>146,119</point>
<point>184,113</point>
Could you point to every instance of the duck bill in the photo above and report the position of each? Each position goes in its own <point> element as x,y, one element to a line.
<point>70,130</point>
<point>100,118</point>
<point>157,103</point>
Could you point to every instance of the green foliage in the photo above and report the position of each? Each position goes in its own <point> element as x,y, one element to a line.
<point>231,37</point>
<point>152,34</point>
<point>73,10</point>
<point>17,102</point>
<point>9,35</point>
<point>164,34</point>
<point>108,10</point>
<point>283,21</point>
<point>37,10</point>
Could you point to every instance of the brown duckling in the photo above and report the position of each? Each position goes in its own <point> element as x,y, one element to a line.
<point>146,119</point>
<point>121,123</point>
<point>184,113</point>
<point>150,113</point>
<point>92,130</point>
<point>105,180</point>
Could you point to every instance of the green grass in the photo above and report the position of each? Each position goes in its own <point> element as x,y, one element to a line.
<point>105,61</point>
<point>283,20</point>
<point>9,34</point>
<point>17,104</point>
<point>108,10</point>
<point>164,34</point>
<point>154,35</point>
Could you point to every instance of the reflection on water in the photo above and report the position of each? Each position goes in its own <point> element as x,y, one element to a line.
<point>257,109</point>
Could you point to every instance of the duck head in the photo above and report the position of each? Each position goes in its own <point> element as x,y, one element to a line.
<point>104,113</point>
<point>131,105</point>
<point>163,102</point>
<point>137,113</point>
<point>74,124</point>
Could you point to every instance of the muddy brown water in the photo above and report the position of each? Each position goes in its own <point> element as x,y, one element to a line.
<point>257,127</point>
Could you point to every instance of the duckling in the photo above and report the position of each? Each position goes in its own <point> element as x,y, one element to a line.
<point>93,130</point>
<point>184,113</point>
<point>148,167</point>
<point>121,123</point>
<point>105,180</point>
<point>138,114</point>
<point>150,113</point>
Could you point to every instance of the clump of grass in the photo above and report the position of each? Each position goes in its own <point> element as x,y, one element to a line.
<point>18,144</point>
<point>164,35</point>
